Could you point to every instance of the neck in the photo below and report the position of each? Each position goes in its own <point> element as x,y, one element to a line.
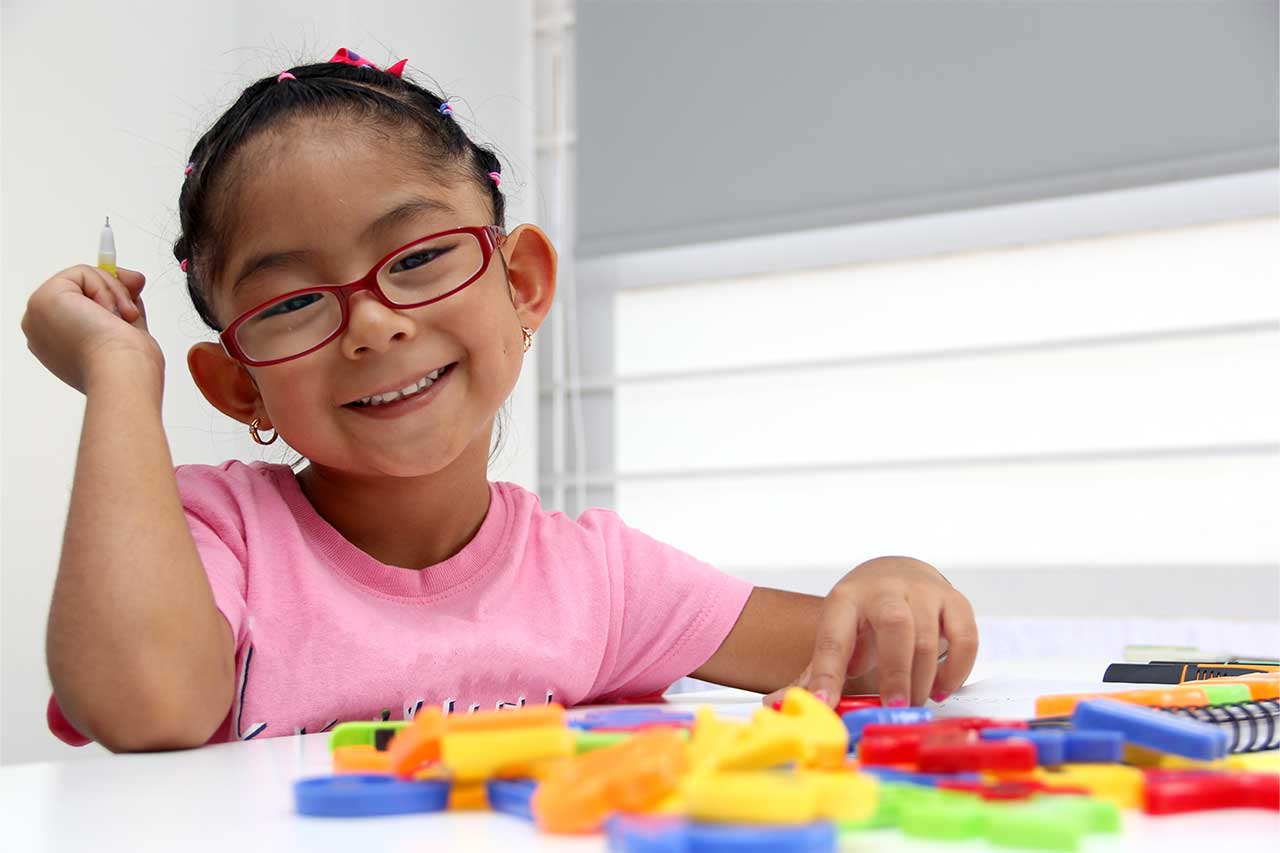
<point>410,522</point>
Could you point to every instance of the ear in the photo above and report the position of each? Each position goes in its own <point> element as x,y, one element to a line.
<point>531,270</point>
<point>225,383</point>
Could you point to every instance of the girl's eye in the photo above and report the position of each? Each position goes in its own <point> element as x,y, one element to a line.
<point>295,303</point>
<point>417,259</point>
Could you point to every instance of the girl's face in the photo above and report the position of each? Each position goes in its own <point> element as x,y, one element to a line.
<point>318,199</point>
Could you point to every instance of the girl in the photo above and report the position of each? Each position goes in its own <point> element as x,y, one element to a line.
<point>210,603</point>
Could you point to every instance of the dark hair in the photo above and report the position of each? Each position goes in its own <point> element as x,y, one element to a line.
<point>380,101</point>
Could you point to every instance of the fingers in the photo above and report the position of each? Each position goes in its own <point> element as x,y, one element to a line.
<point>833,646</point>
<point>105,290</point>
<point>924,658</point>
<point>891,618</point>
<point>124,299</point>
<point>961,633</point>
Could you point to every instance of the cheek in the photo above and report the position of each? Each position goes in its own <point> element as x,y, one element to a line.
<point>291,395</point>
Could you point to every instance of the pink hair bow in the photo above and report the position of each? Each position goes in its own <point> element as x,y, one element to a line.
<point>350,57</point>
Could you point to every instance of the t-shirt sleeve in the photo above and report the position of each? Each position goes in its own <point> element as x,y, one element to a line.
<point>669,611</point>
<point>212,516</point>
<point>216,524</point>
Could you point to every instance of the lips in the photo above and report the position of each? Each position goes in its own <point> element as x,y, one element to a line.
<point>401,386</point>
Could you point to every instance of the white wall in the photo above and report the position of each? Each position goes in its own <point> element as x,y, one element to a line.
<point>101,105</point>
<point>1064,405</point>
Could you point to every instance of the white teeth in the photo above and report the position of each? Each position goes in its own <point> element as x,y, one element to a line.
<point>421,385</point>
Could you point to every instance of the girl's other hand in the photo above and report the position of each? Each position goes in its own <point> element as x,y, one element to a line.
<point>83,314</point>
<point>888,621</point>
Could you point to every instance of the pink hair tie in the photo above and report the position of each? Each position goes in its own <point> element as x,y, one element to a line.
<point>190,166</point>
<point>496,178</point>
<point>183,265</point>
<point>284,75</point>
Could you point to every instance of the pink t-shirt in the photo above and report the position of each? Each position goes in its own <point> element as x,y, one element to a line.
<point>537,607</point>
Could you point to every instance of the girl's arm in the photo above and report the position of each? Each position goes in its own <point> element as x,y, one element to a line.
<point>139,656</point>
<point>881,629</point>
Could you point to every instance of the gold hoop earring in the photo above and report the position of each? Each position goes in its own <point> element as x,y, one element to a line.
<point>528,337</point>
<point>253,431</point>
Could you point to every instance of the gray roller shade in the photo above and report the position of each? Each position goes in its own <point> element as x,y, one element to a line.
<point>706,120</point>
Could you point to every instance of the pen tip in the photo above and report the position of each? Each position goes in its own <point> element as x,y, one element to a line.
<point>108,221</point>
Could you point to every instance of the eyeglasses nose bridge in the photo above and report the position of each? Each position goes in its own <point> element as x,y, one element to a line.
<point>347,292</point>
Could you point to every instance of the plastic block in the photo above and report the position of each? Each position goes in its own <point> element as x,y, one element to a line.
<point>768,742</point>
<point>1011,755</point>
<point>1021,789</point>
<point>1050,744</point>
<point>856,702</point>
<point>819,837</point>
<point>1176,791</point>
<point>941,815</point>
<point>1152,729</point>
<point>856,721</point>
<point>1030,826</point>
<point>360,758</point>
<point>900,744</point>
<point>888,797</point>
<point>480,754</point>
<point>417,743</point>
<point>375,734</point>
<point>1114,783</point>
<point>633,775</point>
<point>711,737</point>
<point>468,797</point>
<point>1090,814</point>
<point>757,797</point>
<point>825,738</point>
<point>511,796</point>
<point>844,797</point>
<point>1084,746</point>
<point>920,780</point>
<point>585,740</point>
<point>528,717</point>
<point>632,834</point>
<point>362,796</point>
<point>630,719</point>
<point>629,834</point>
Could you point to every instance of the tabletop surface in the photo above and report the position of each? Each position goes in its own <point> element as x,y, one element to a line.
<point>239,796</point>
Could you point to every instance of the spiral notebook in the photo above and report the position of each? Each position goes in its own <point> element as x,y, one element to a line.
<point>1250,726</point>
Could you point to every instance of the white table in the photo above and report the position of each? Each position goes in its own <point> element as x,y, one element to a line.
<point>238,796</point>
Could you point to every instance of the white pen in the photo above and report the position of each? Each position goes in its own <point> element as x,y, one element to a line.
<point>107,249</point>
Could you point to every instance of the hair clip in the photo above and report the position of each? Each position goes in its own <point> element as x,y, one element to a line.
<point>284,75</point>
<point>496,178</point>
<point>183,266</point>
<point>350,57</point>
<point>445,108</point>
<point>190,166</point>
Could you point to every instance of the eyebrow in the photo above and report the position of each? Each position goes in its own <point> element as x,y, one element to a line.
<point>405,211</point>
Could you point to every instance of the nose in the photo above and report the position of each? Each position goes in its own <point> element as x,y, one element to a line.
<point>372,325</point>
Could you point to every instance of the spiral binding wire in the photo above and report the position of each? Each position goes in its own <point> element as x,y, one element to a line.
<point>1250,726</point>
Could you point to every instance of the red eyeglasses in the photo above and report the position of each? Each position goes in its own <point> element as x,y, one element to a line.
<point>299,322</point>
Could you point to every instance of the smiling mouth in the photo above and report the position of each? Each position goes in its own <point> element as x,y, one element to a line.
<point>412,390</point>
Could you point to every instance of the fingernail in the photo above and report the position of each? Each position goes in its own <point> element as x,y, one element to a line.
<point>822,696</point>
<point>895,702</point>
<point>939,695</point>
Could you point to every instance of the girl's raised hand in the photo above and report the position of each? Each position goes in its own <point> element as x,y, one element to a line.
<point>889,620</point>
<point>82,314</point>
